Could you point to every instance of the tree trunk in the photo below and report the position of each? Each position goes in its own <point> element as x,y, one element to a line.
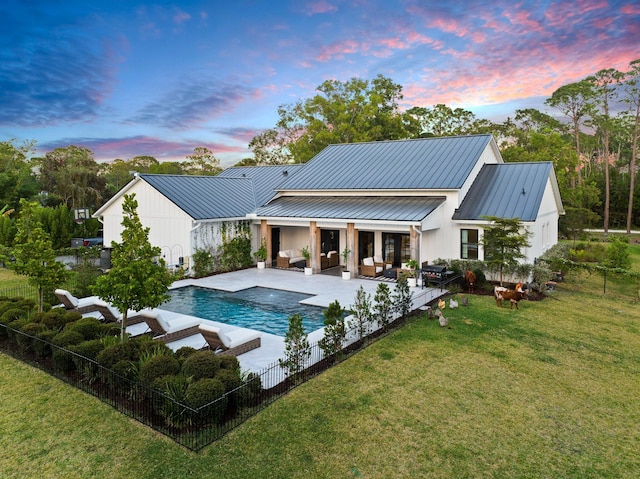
<point>632,170</point>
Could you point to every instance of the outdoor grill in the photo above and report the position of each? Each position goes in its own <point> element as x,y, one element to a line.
<point>435,274</point>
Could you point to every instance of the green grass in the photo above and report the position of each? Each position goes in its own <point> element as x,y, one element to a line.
<point>548,391</point>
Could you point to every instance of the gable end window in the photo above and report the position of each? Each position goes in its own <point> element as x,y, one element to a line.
<point>469,244</point>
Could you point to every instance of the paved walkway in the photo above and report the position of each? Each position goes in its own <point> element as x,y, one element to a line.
<point>324,290</point>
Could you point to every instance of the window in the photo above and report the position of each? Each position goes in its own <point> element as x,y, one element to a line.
<point>469,244</point>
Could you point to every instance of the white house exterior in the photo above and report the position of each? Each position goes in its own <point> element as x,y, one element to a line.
<point>421,199</point>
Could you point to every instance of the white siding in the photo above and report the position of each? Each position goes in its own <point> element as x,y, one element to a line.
<point>169,226</point>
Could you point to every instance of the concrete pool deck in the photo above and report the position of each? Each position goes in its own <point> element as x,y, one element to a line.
<point>324,289</point>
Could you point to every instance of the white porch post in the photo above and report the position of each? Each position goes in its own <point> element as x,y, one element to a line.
<point>265,232</point>
<point>314,246</point>
<point>352,262</point>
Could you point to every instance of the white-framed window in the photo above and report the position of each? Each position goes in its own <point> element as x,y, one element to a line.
<point>469,244</point>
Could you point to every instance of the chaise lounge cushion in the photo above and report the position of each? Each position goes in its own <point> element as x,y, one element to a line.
<point>168,321</point>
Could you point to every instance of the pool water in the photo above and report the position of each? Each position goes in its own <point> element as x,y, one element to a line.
<point>262,309</point>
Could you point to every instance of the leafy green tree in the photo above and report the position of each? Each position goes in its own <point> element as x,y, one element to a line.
<point>34,253</point>
<point>71,176</point>
<point>574,101</point>
<point>402,296</point>
<point>202,162</point>
<point>16,177</point>
<point>297,350</point>
<point>138,277</point>
<point>605,86</point>
<point>334,330</point>
<point>442,120</point>
<point>383,307</point>
<point>632,99</point>
<point>362,313</point>
<point>503,241</point>
<point>617,255</point>
<point>353,111</point>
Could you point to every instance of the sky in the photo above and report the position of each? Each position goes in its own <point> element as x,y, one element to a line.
<point>127,78</point>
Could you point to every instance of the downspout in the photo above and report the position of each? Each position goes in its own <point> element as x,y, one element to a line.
<point>419,242</point>
<point>191,233</point>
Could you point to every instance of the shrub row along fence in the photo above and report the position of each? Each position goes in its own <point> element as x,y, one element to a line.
<point>193,428</point>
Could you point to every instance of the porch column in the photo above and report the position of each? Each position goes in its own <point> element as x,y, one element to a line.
<point>352,261</point>
<point>414,244</point>
<point>265,232</point>
<point>314,246</point>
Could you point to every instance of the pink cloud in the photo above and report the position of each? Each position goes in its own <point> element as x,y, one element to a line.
<point>337,50</point>
<point>181,17</point>
<point>320,6</point>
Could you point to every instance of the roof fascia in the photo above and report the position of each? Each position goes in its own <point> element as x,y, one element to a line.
<point>115,197</point>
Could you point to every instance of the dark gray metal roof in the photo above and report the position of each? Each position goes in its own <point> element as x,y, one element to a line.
<point>266,179</point>
<point>394,208</point>
<point>429,163</point>
<point>206,197</point>
<point>508,190</point>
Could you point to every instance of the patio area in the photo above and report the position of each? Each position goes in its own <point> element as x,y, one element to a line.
<point>324,290</point>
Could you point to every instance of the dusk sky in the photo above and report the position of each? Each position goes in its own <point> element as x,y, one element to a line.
<point>126,78</point>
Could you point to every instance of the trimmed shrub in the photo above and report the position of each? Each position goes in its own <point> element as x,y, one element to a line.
<point>17,325</point>
<point>184,352</point>
<point>42,348</point>
<point>201,364</point>
<point>172,406</point>
<point>202,394</point>
<point>90,328</point>
<point>67,338</point>
<point>157,367</point>
<point>57,318</point>
<point>88,349</point>
<point>111,355</point>
<point>31,330</point>
<point>230,378</point>
<point>13,314</point>
<point>230,362</point>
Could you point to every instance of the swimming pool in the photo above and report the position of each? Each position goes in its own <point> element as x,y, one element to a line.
<point>262,309</point>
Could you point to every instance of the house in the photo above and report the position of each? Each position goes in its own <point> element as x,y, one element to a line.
<point>187,213</point>
<point>421,199</point>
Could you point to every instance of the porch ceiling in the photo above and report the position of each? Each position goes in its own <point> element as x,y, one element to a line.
<point>352,208</point>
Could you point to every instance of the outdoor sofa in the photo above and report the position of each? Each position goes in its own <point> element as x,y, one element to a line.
<point>288,258</point>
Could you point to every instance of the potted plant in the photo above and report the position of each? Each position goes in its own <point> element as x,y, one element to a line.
<point>261,254</point>
<point>345,256</point>
<point>307,258</point>
<point>412,264</point>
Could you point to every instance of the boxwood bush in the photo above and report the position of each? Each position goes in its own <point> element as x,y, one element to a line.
<point>201,364</point>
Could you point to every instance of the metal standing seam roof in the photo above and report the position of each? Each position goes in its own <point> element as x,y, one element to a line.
<point>206,197</point>
<point>507,190</point>
<point>395,208</point>
<point>266,179</point>
<point>428,163</point>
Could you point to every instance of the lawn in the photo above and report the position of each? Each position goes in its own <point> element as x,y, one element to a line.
<point>547,391</point>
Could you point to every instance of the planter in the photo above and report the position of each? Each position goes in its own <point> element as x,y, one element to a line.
<point>261,264</point>
<point>308,271</point>
<point>412,282</point>
<point>346,275</point>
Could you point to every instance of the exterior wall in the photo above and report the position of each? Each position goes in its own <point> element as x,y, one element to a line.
<point>545,228</point>
<point>169,226</point>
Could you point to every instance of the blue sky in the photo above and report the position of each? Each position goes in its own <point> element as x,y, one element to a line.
<point>127,78</point>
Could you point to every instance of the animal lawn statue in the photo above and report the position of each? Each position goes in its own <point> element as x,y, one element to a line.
<point>470,279</point>
<point>513,296</point>
<point>444,322</point>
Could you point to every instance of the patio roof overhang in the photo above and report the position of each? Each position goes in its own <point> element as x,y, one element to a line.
<point>396,209</point>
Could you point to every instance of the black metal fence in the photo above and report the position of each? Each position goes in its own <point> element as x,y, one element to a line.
<point>194,428</point>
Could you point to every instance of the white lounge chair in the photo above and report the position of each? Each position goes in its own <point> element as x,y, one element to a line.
<point>70,302</point>
<point>168,326</point>
<point>233,342</point>
<point>111,314</point>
